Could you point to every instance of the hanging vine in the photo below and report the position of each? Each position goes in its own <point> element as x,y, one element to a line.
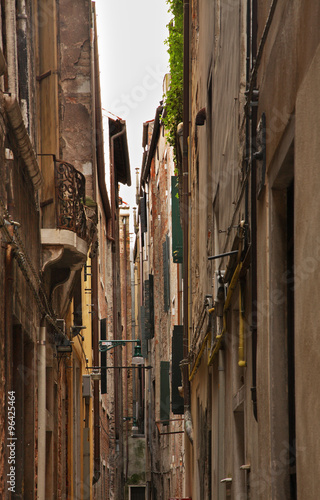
<point>173,99</point>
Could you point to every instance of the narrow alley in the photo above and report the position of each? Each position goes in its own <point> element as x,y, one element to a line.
<point>162,344</point>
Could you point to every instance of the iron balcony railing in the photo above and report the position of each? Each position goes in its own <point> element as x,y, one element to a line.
<point>72,213</point>
<point>70,195</point>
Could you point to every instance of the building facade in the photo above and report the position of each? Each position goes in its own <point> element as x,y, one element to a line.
<point>252,181</point>
<point>57,243</point>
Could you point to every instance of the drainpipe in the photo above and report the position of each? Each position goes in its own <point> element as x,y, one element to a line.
<point>133,335</point>
<point>94,277</point>
<point>23,61</point>
<point>12,56</point>
<point>125,336</point>
<point>95,341</point>
<point>254,228</point>
<point>221,425</point>
<point>42,414</point>
<point>185,212</point>
<point>8,331</point>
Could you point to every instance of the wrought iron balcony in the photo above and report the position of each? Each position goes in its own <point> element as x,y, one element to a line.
<point>70,193</point>
<point>68,224</point>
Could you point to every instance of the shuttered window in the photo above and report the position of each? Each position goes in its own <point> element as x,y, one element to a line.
<point>177,405</point>
<point>143,213</point>
<point>149,307</point>
<point>164,392</point>
<point>144,340</point>
<point>166,274</point>
<point>103,354</point>
<point>177,237</point>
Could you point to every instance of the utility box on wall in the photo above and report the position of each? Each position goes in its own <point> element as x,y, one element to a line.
<point>86,386</point>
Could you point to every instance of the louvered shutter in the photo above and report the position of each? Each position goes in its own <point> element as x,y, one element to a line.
<point>164,392</point>
<point>177,237</point>
<point>144,340</point>
<point>143,213</point>
<point>103,354</point>
<point>166,274</point>
<point>177,404</point>
<point>151,307</point>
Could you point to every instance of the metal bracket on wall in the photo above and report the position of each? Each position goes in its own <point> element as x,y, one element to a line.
<point>159,422</point>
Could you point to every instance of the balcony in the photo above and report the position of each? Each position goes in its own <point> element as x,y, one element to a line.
<point>68,224</point>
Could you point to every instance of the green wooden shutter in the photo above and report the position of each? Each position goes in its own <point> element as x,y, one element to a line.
<point>143,213</point>
<point>147,308</point>
<point>177,237</point>
<point>151,300</point>
<point>144,340</point>
<point>164,392</point>
<point>103,354</point>
<point>166,274</point>
<point>177,403</point>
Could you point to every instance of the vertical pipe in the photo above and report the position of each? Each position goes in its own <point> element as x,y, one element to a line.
<point>41,490</point>
<point>221,425</point>
<point>133,335</point>
<point>242,363</point>
<point>12,55</point>
<point>95,342</point>
<point>8,330</point>
<point>185,223</point>
<point>126,336</point>
<point>23,60</point>
<point>95,270</point>
<point>254,227</point>
<point>185,205</point>
<point>247,153</point>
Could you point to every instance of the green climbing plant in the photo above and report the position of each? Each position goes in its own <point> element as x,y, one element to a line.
<point>173,99</point>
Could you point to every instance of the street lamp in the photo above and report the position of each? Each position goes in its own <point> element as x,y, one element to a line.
<point>106,345</point>
<point>137,359</point>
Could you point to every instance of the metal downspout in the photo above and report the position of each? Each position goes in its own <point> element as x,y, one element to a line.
<point>221,425</point>
<point>126,348</point>
<point>94,283</point>
<point>12,56</point>
<point>133,334</point>
<point>8,331</point>
<point>95,339</point>
<point>23,61</point>
<point>254,227</point>
<point>41,490</point>
<point>185,212</point>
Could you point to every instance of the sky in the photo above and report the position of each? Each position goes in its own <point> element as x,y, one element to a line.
<point>133,63</point>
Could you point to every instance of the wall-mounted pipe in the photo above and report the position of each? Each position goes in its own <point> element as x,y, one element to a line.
<point>125,333</point>
<point>11,48</point>
<point>242,363</point>
<point>253,210</point>
<point>98,165</point>
<point>185,214</point>
<point>41,490</point>
<point>221,493</point>
<point>23,61</point>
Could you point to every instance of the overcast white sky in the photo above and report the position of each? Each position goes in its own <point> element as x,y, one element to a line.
<point>133,62</point>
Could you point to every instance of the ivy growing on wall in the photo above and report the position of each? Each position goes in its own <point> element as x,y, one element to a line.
<point>173,100</point>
